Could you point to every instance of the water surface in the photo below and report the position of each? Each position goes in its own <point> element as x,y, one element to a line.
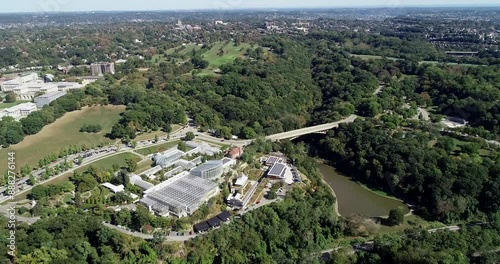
<point>354,199</point>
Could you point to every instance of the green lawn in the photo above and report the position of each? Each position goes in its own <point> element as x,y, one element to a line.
<point>144,166</point>
<point>215,60</point>
<point>159,58</point>
<point>107,163</point>
<point>158,148</point>
<point>7,105</point>
<point>65,132</point>
<point>188,48</point>
<point>231,52</point>
<point>410,222</point>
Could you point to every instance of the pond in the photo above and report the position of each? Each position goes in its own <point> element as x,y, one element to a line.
<point>354,199</point>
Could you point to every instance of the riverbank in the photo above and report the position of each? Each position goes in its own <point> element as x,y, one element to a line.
<point>336,206</point>
<point>378,192</point>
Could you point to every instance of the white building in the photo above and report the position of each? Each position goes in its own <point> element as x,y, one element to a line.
<point>7,86</point>
<point>68,86</point>
<point>47,98</point>
<point>114,188</point>
<point>180,195</point>
<point>210,170</point>
<point>19,112</point>
<point>202,148</point>
<point>241,181</point>
<point>136,180</point>
<point>168,158</point>
<point>173,172</point>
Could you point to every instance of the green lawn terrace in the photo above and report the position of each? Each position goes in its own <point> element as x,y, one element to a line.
<point>219,54</point>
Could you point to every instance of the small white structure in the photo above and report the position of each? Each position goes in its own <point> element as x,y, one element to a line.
<point>114,188</point>
<point>136,180</point>
<point>180,195</point>
<point>241,181</point>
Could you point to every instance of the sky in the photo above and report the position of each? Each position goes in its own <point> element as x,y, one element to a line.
<point>7,6</point>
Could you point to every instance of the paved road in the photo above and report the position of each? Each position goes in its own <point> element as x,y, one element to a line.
<point>309,130</point>
<point>379,89</point>
<point>424,113</point>
<point>149,237</point>
<point>450,228</point>
<point>85,163</point>
<point>4,209</point>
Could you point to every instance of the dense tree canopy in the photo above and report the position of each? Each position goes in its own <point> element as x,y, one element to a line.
<point>449,185</point>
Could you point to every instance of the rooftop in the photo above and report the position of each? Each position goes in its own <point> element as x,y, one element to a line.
<point>138,181</point>
<point>21,107</point>
<point>51,94</point>
<point>214,221</point>
<point>242,180</point>
<point>272,160</point>
<point>208,165</point>
<point>224,216</point>
<point>277,170</point>
<point>113,187</point>
<point>182,193</point>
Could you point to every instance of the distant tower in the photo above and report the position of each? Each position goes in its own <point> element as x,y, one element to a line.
<point>179,23</point>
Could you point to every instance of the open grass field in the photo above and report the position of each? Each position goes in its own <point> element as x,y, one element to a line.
<point>216,59</point>
<point>107,163</point>
<point>7,105</point>
<point>143,166</point>
<point>64,132</point>
<point>158,148</point>
<point>214,56</point>
<point>187,49</point>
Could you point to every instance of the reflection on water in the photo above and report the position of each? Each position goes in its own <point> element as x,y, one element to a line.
<point>354,199</point>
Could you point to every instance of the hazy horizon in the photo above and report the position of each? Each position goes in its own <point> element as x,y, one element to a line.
<point>27,6</point>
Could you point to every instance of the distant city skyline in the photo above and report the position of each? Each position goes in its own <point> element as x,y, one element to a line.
<point>150,5</point>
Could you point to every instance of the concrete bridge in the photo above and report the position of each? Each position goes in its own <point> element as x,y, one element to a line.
<point>310,130</point>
